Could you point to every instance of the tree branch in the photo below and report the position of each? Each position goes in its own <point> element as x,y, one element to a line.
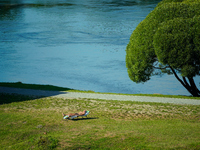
<point>191,88</point>
<point>160,67</point>
<point>177,76</point>
<point>185,81</point>
<point>185,85</point>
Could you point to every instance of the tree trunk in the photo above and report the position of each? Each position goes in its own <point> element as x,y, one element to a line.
<point>192,89</point>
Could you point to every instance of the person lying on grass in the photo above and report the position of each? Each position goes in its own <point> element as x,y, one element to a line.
<point>74,114</point>
<point>82,113</point>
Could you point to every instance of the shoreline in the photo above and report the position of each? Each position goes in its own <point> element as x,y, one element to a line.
<point>77,95</point>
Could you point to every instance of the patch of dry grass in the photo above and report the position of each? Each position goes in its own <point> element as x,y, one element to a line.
<point>110,124</point>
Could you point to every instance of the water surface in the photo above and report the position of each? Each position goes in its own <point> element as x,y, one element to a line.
<point>75,44</point>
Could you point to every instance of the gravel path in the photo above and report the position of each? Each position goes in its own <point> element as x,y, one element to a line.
<point>98,96</point>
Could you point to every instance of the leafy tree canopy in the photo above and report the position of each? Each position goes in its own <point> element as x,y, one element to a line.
<point>167,41</point>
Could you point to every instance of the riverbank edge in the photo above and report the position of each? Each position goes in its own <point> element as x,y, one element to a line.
<point>63,89</point>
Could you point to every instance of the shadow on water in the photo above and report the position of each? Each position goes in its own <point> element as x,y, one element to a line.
<point>10,6</point>
<point>121,3</point>
<point>10,9</point>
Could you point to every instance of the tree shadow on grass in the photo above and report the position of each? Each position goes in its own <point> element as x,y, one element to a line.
<point>9,95</point>
<point>6,98</point>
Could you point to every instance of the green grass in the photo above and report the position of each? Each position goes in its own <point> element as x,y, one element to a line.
<point>36,123</point>
<point>56,88</point>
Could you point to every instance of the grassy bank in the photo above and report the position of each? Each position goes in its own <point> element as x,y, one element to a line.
<point>56,88</point>
<point>33,86</point>
<point>36,123</point>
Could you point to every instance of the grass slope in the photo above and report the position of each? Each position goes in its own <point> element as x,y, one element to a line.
<point>36,123</point>
<point>56,88</point>
<point>34,86</point>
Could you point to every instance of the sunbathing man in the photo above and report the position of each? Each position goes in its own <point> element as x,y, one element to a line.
<point>74,114</point>
<point>70,115</point>
<point>82,113</point>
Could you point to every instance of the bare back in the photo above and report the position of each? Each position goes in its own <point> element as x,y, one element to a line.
<point>82,113</point>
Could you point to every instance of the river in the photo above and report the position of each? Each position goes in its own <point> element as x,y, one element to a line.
<point>74,43</point>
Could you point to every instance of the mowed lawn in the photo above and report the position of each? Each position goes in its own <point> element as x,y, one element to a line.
<point>36,123</point>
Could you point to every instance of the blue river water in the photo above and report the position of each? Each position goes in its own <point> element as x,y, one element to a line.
<point>75,44</point>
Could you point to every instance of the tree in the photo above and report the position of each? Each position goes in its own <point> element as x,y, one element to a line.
<point>167,41</point>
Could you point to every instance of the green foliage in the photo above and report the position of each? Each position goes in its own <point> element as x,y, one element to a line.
<point>170,35</point>
<point>181,46</point>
